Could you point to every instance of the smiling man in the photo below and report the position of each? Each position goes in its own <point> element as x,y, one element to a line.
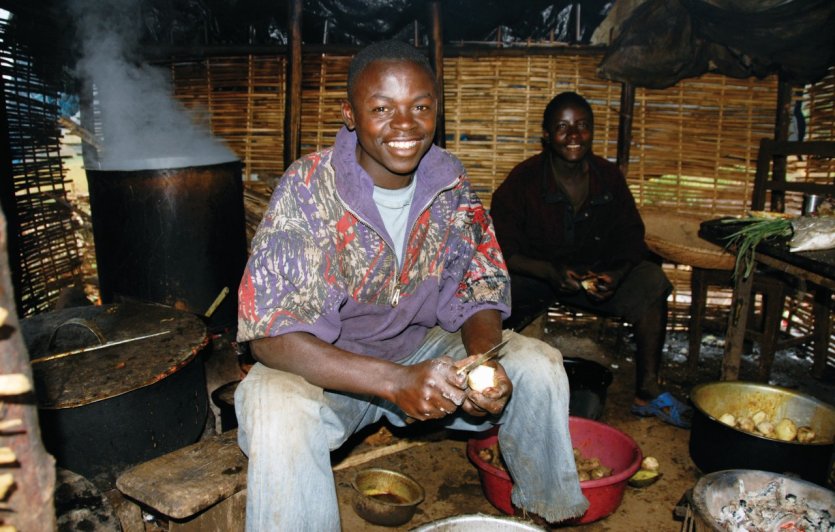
<point>374,276</point>
<point>570,232</point>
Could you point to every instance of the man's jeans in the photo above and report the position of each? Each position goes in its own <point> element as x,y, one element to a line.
<point>287,428</point>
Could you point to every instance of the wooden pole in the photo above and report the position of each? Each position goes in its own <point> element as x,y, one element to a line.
<point>627,107</point>
<point>436,44</point>
<point>29,476</point>
<point>781,133</point>
<point>293,105</point>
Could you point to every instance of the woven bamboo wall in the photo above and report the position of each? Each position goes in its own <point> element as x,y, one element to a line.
<point>494,109</point>
<point>819,100</point>
<point>48,258</point>
<point>241,99</point>
<point>324,87</point>
<point>695,144</point>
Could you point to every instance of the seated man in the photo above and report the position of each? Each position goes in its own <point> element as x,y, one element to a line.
<point>570,232</point>
<point>374,276</point>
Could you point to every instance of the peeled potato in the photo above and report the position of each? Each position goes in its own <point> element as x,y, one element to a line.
<point>747,424</point>
<point>766,429</point>
<point>481,378</point>
<point>650,463</point>
<point>758,417</point>
<point>600,472</point>
<point>785,430</point>
<point>728,419</point>
<point>805,434</point>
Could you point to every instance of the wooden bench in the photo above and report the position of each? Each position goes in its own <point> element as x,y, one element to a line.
<point>199,488</point>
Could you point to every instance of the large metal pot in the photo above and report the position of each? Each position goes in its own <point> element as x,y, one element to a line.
<point>716,446</point>
<point>171,231</point>
<point>719,489</point>
<point>117,385</point>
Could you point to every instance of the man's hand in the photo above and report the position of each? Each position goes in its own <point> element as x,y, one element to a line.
<point>565,280</point>
<point>605,285</point>
<point>430,389</point>
<point>491,400</point>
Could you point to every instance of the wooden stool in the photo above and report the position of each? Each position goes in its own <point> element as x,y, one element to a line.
<point>201,487</point>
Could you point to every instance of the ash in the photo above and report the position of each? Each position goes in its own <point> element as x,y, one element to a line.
<point>774,508</point>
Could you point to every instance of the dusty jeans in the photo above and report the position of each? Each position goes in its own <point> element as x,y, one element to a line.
<point>287,428</point>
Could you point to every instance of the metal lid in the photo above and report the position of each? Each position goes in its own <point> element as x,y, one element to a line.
<point>87,354</point>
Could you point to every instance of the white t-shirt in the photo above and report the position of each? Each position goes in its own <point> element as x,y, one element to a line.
<point>394,209</point>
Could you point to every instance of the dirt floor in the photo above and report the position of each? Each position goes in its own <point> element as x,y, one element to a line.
<point>438,460</point>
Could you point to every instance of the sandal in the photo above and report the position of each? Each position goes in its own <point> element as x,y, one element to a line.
<point>666,408</point>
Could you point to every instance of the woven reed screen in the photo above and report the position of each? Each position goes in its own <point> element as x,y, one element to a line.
<point>324,86</point>
<point>494,109</point>
<point>695,144</point>
<point>819,102</point>
<point>49,253</point>
<point>241,99</point>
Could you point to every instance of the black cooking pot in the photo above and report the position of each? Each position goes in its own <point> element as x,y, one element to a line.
<point>715,446</point>
<point>117,384</point>
<point>171,231</point>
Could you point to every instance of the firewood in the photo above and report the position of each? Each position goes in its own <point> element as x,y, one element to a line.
<point>14,384</point>
<point>7,456</point>
<point>6,482</point>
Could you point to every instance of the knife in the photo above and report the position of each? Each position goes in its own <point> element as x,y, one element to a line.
<point>490,354</point>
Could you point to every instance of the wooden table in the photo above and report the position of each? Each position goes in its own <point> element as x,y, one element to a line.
<point>814,267</point>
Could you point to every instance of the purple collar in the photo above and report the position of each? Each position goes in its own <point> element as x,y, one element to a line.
<point>437,170</point>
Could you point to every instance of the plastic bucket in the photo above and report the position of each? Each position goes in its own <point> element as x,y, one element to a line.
<point>612,447</point>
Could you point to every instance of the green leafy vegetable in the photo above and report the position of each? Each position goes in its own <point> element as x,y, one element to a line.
<point>746,239</point>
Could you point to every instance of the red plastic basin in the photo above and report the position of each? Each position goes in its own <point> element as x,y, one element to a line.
<point>612,447</point>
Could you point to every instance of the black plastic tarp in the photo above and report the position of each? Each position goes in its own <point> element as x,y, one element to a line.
<point>664,41</point>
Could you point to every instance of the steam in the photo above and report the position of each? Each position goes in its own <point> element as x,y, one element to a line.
<point>139,124</point>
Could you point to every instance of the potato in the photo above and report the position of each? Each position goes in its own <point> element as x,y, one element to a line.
<point>588,465</point>
<point>747,424</point>
<point>805,434</point>
<point>758,417</point>
<point>785,430</point>
<point>650,463</point>
<point>766,429</point>
<point>728,419</point>
<point>600,472</point>
<point>481,378</point>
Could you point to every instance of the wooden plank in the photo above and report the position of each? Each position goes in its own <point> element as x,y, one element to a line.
<point>189,480</point>
<point>228,515</point>
<point>737,323</point>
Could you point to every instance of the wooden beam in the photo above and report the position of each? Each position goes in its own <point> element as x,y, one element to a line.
<point>293,105</point>
<point>627,107</point>
<point>781,133</point>
<point>167,53</point>
<point>436,45</point>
